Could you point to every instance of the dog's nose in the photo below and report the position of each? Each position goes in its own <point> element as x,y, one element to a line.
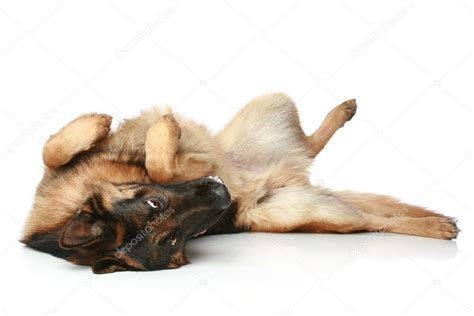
<point>210,181</point>
<point>213,186</point>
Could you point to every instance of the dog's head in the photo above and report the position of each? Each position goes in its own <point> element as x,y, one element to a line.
<point>146,230</point>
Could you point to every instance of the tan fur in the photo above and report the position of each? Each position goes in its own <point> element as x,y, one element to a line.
<point>263,156</point>
<point>333,121</point>
<point>57,198</point>
<point>74,138</point>
<point>163,161</point>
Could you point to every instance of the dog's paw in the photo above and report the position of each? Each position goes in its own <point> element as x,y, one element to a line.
<point>169,123</point>
<point>345,111</point>
<point>77,136</point>
<point>350,108</point>
<point>443,227</point>
<point>90,128</point>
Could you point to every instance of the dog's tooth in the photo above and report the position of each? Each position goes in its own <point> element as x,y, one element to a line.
<point>217,179</point>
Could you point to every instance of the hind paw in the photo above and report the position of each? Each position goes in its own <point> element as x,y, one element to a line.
<point>345,111</point>
<point>443,227</point>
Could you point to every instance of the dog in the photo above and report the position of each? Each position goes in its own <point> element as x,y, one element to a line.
<point>132,198</point>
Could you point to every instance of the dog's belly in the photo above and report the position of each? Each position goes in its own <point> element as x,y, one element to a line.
<point>264,134</point>
<point>248,164</point>
<point>256,181</point>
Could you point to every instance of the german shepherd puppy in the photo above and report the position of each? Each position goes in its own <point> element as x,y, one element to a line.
<point>130,199</point>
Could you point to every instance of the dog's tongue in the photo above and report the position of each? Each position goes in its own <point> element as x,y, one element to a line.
<point>201,233</point>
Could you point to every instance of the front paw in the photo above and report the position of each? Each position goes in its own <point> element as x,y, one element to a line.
<point>77,136</point>
<point>169,123</point>
<point>90,129</point>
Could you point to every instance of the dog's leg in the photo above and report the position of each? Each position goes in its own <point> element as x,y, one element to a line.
<point>401,217</point>
<point>161,147</point>
<point>383,205</point>
<point>432,227</point>
<point>74,138</point>
<point>270,126</point>
<point>310,209</point>
<point>305,209</point>
<point>333,121</point>
<point>166,161</point>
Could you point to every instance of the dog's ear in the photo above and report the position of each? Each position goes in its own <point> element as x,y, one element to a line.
<point>84,229</point>
<point>112,264</point>
<point>109,265</point>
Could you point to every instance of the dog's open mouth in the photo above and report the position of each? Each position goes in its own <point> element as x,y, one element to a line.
<point>217,188</point>
<point>217,179</point>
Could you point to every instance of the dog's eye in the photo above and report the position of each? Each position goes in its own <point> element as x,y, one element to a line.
<point>173,239</point>
<point>153,203</point>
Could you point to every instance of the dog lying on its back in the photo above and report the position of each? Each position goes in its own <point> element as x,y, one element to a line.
<point>112,201</point>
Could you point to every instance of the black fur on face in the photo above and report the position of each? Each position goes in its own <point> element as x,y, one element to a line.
<point>137,226</point>
<point>161,219</point>
<point>148,229</point>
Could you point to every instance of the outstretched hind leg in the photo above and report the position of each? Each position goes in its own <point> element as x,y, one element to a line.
<point>314,210</point>
<point>401,217</point>
<point>269,126</point>
<point>333,121</point>
<point>305,209</point>
<point>76,137</point>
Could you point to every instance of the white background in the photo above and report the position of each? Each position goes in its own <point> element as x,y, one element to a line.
<point>410,66</point>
